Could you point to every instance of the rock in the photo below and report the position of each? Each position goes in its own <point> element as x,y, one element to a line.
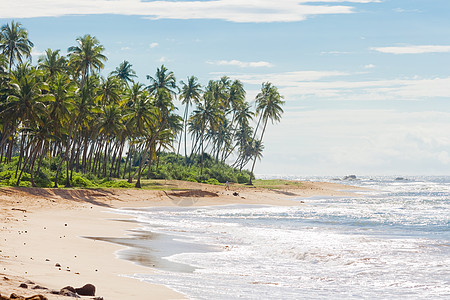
<point>68,293</point>
<point>57,265</point>
<point>86,290</point>
<point>235,194</point>
<point>23,285</point>
<point>69,288</point>
<point>350,177</point>
<point>400,178</point>
<point>38,287</point>
<point>15,296</point>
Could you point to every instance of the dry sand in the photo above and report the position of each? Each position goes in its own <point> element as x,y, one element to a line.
<point>44,227</point>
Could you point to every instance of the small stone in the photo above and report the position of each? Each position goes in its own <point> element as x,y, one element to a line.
<point>57,265</point>
<point>23,285</point>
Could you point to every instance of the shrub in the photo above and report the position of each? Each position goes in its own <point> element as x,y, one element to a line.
<point>79,181</point>
<point>212,181</point>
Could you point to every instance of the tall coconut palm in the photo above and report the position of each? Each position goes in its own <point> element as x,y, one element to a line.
<point>124,72</point>
<point>269,102</point>
<point>163,80</point>
<point>87,56</point>
<point>110,124</point>
<point>14,43</point>
<point>110,91</point>
<point>52,62</point>
<point>190,92</point>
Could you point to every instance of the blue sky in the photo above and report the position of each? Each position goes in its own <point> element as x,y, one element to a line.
<point>366,82</point>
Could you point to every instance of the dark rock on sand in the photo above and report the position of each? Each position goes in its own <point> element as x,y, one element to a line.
<point>38,287</point>
<point>23,285</point>
<point>86,290</point>
<point>68,293</point>
<point>57,265</point>
<point>69,288</point>
<point>235,194</point>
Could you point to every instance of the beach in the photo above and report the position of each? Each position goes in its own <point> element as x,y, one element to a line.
<point>45,233</point>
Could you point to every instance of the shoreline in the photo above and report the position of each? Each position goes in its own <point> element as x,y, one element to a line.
<point>45,227</point>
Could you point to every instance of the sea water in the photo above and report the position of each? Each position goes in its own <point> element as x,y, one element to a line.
<point>393,242</point>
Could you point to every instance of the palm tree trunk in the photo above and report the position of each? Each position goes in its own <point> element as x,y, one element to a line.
<point>257,149</point>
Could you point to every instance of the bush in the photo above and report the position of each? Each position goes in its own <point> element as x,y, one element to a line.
<point>79,181</point>
<point>117,184</point>
<point>212,181</point>
<point>243,178</point>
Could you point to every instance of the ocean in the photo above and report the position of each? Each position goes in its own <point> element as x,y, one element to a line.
<point>391,243</point>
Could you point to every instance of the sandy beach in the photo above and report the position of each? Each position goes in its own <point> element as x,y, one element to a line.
<point>43,233</point>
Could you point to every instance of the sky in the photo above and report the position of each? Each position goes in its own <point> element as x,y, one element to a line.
<point>366,82</point>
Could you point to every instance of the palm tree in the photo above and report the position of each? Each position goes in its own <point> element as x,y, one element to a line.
<point>190,92</point>
<point>269,106</point>
<point>163,80</point>
<point>14,43</point>
<point>110,124</point>
<point>124,72</point>
<point>52,62</point>
<point>87,56</point>
<point>110,91</point>
<point>25,104</point>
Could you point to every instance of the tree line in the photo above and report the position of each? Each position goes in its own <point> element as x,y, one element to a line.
<point>63,109</point>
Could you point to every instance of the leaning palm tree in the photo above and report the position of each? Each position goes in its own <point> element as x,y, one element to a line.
<point>269,102</point>
<point>87,56</point>
<point>14,43</point>
<point>124,72</point>
<point>190,92</point>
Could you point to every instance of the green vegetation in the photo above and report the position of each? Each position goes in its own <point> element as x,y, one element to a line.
<point>63,123</point>
<point>276,184</point>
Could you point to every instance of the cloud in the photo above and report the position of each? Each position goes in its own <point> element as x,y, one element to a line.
<point>402,10</point>
<point>241,64</point>
<point>369,66</point>
<point>164,59</point>
<point>36,53</point>
<point>364,140</point>
<point>413,49</point>
<point>337,85</point>
<point>154,45</point>
<point>296,78</point>
<point>262,11</point>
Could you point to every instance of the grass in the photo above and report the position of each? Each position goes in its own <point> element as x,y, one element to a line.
<point>276,184</point>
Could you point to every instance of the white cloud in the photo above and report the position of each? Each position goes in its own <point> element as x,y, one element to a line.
<point>229,10</point>
<point>290,78</point>
<point>125,48</point>
<point>329,85</point>
<point>241,64</point>
<point>402,10</point>
<point>36,53</point>
<point>363,141</point>
<point>154,45</point>
<point>163,59</point>
<point>413,49</point>
<point>369,66</point>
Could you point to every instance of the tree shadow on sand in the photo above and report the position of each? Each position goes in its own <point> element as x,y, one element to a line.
<point>89,196</point>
